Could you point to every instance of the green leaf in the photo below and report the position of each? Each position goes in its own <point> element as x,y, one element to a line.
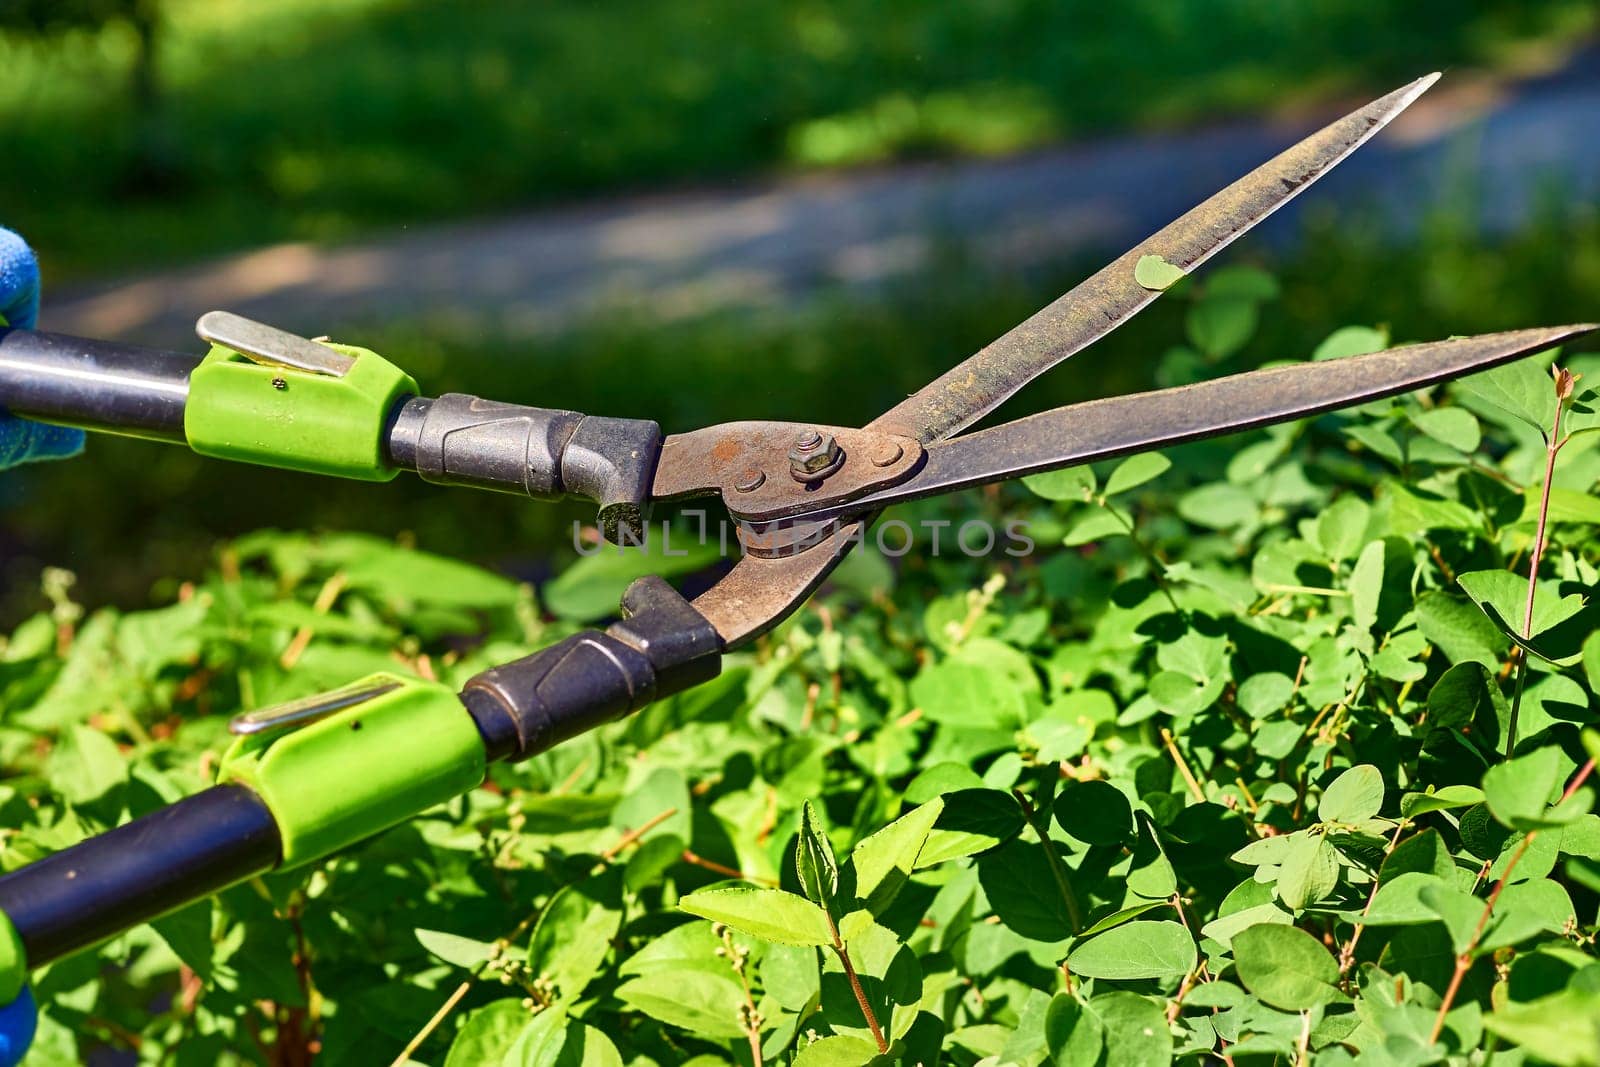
<point>1518,791</point>
<point>1135,1027</point>
<point>1022,890</point>
<point>1342,527</point>
<point>1095,526</point>
<point>590,588</point>
<point>701,996</point>
<point>1094,812</point>
<point>884,861</point>
<point>964,693</point>
<point>1366,584</point>
<point>1522,389</point>
<point>1444,799</point>
<point>1503,596</point>
<point>1351,341</point>
<point>973,821</point>
<point>453,948</point>
<point>488,1033</point>
<point>1135,471</point>
<point>1460,630</point>
<point>814,864</point>
<point>1310,872</point>
<point>767,914</point>
<point>574,935</point>
<point>85,765</point>
<point>1563,1028</point>
<point>1450,426</point>
<point>837,1051</point>
<point>1154,272</point>
<point>1074,483</point>
<point>1355,796</point>
<point>1286,967</point>
<point>1462,695</point>
<point>1148,949</point>
<point>1073,1033</point>
<point>1242,282</point>
<point>1220,326</point>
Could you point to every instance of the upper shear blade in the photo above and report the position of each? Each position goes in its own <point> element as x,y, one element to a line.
<point>1112,295</point>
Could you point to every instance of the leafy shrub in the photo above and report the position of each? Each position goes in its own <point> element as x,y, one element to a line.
<point>1262,755</point>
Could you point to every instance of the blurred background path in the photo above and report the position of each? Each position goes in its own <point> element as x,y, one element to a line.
<point>763,242</point>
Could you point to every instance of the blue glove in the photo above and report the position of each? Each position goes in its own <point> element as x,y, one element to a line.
<point>22,441</point>
<point>18,1020</point>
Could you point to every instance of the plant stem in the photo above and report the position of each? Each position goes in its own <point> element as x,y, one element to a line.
<point>627,839</point>
<point>1057,869</point>
<point>1347,955</point>
<point>1464,961</point>
<point>1183,766</point>
<point>1552,446</point>
<point>841,950</point>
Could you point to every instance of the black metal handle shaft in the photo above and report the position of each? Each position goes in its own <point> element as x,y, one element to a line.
<point>139,871</point>
<point>95,385</point>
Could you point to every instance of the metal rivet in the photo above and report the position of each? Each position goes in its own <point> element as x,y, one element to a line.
<point>887,454</point>
<point>750,480</point>
<point>279,384</point>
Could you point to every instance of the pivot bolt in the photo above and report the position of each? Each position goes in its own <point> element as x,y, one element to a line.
<point>887,454</point>
<point>749,480</point>
<point>814,454</point>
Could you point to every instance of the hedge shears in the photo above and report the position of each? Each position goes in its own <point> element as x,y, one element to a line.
<point>306,779</point>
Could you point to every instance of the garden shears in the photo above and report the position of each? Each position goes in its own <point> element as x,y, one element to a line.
<point>801,494</point>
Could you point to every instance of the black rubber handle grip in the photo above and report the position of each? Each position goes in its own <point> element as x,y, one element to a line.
<point>663,646</point>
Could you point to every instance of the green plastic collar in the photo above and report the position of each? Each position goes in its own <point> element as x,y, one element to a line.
<point>13,961</point>
<point>298,420</point>
<point>363,768</point>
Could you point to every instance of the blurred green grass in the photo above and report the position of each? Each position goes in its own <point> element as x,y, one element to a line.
<point>319,119</point>
<point>131,511</point>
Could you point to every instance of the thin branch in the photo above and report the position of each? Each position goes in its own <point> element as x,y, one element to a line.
<point>841,950</point>
<point>1183,766</point>
<point>1464,961</point>
<point>1058,870</point>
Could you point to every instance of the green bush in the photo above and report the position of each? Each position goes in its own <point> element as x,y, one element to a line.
<point>1257,755</point>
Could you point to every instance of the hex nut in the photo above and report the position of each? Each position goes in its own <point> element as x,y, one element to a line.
<point>808,458</point>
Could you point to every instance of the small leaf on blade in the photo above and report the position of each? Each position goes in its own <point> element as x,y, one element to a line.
<point>1155,273</point>
<point>1151,949</point>
<point>1286,967</point>
<point>768,914</point>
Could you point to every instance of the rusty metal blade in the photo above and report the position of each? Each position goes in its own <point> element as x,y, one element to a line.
<point>1110,297</point>
<point>1123,425</point>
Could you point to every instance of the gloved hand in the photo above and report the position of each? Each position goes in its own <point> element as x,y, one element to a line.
<point>18,1020</point>
<point>22,441</point>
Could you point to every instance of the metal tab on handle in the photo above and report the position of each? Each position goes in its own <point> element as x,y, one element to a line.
<point>306,709</point>
<point>270,345</point>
